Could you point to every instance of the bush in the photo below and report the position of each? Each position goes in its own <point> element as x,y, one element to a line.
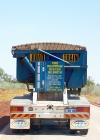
<point>92,89</point>
<point>9,85</point>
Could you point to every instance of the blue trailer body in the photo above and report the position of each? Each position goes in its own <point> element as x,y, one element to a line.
<point>75,75</point>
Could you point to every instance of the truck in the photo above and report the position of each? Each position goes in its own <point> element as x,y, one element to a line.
<point>54,74</point>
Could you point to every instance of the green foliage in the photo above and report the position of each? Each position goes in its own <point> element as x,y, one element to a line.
<point>10,85</point>
<point>97,84</point>
<point>7,78</point>
<point>8,81</point>
<point>87,89</point>
<point>2,73</point>
<point>91,87</point>
<point>96,90</point>
<point>90,81</point>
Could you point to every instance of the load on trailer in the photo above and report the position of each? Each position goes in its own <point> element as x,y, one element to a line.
<point>57,72</point>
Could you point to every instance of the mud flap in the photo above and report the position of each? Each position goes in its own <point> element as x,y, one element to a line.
<point>20,123</point>
<point>79,124</point>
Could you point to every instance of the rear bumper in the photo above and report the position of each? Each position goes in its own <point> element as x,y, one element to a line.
<point>49,115</point>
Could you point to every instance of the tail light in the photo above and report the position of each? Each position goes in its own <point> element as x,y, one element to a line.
<point>83,109</point>
<point>16,109</point>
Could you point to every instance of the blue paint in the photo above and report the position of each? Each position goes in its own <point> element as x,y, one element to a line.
<point>75,76</point>
<point>51,76</point>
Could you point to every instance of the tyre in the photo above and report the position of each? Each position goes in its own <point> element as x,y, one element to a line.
<point>15,131</point>
<point>84,131</point>
<point>73,131</point>
<point>25,130</point>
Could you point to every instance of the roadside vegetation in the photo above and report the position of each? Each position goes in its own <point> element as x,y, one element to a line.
<point>91,91</point>
<point>10,87</point>
<point>8,81</point>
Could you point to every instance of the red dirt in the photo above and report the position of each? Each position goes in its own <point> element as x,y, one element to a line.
<point>4,114</point>
<point>93,103</point>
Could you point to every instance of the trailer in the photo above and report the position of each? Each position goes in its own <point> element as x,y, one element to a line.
<point>54,74</point>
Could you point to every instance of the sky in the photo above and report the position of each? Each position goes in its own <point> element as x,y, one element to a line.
<point>66,21</point>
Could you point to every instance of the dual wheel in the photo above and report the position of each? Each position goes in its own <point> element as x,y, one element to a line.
<point>82,131</point>
<point>18,130</point>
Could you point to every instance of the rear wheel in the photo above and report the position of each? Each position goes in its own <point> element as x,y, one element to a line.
<point>25,130</point>
<point>84,131</point>
<point>73,131</point>
<point>15,130</point>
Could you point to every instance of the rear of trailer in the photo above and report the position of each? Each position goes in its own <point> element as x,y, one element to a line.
<point>56,72</point>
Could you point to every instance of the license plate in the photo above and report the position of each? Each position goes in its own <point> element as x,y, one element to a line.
<point>70,110</point>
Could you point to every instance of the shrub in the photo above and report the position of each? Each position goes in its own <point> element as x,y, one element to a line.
<point>9,85</point>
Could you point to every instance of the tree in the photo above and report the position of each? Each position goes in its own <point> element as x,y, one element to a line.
<point>90,85</point>
<point>2,72</point>
<point>7,78</point>
<point>90,81</point>
<point>14,80</point>
<point>97,84</point>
